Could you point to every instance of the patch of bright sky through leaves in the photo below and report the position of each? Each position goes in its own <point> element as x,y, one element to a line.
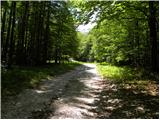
<point>85,28</point>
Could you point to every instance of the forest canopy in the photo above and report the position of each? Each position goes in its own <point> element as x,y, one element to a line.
<point>125,32</point>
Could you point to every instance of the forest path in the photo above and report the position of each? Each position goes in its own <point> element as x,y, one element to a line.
<point>71,95</point>
<point>81,92</point>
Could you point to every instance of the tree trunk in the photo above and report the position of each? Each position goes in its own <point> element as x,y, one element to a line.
<point>5,52</point>
<point>21,35</point>
<point>138,44</point>
<point>46,36</point>
<point>2,29</point>
<point>12,41</point>
<point>153,37</point>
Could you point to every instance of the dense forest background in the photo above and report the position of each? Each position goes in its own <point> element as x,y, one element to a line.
<point>34,32</point>
<point>126,33</point>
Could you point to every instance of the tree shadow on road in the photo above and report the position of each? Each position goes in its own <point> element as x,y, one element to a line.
<point>117,102</point>
<point>74,94</point>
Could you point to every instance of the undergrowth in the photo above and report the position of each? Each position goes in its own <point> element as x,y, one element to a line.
<point>127,75</point>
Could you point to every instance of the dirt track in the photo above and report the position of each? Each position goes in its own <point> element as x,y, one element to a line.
<point>71,95</point>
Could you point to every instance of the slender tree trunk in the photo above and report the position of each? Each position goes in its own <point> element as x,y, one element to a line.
<point>12,41</point>
<point>21,35</point>
<point>46,36</point>
<point>138,43</point>
<point>32,42</point>
<point>39,29</point>
<point>26,36</point>
<point>153,37</point>
<point>4,56</point>
<point>3,28</point>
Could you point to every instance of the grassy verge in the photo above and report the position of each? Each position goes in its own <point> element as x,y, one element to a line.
<point>128,77</point>
<point>19,78</point>
<point>129,93</point>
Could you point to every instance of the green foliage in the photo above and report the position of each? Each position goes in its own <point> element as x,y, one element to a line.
<point>116,73</point>
<point>121,34</point>
<point>124,74</point>
<point>84,48</point>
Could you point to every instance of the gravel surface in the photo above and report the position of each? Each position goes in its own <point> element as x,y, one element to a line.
<point>71,95</point>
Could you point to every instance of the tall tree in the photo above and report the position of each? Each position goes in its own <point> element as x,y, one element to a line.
<point>20,57</point>
<point>12,41</point>
<point>5,5</point>
<point>153,35</point>
<point>6,46</point>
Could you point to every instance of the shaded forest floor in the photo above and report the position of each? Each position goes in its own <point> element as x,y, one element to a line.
<point>82,93</point>
<point>128,93</point>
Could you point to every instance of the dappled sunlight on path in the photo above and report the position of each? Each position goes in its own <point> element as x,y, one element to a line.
<point>79,96</point>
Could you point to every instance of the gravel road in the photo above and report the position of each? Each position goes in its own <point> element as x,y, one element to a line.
<point>71,95</point>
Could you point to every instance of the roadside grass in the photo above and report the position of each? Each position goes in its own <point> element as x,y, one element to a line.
<point>128,77</point>
<point>129,93</point>
<point>19,78</point>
